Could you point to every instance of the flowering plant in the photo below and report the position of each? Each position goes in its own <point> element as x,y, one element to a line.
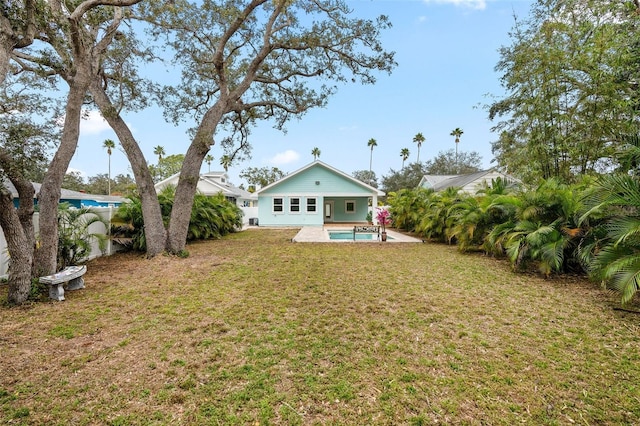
<point>383,217</point>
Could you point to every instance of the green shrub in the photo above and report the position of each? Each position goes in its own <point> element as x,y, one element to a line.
<point>211,217</point>
<point>74,237</point>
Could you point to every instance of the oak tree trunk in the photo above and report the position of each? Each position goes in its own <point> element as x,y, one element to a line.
<point>20,250</point>
<point>49,196</point>
<point>155,234</point>
<point>189,176</point>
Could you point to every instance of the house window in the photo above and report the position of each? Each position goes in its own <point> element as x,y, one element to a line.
<point>350,206</point>
<point>294,205</point>
<point>278,204</point>
<point>311,205</point>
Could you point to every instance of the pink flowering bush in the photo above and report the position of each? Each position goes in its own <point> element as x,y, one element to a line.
<point>383,217</point>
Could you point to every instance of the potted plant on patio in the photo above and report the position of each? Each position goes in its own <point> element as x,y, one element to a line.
<point>383,217</point>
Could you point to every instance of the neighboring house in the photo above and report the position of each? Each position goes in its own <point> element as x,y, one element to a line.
<point>75,198</point>
<point>470,183</point>
<point>213,183</point>
<point>314,195</point>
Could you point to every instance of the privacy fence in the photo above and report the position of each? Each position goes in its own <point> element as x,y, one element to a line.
<point>96,228</point>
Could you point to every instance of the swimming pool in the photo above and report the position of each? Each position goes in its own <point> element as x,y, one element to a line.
<point>348,235</point>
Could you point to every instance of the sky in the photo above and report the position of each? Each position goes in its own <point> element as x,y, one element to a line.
<point>446,52</point>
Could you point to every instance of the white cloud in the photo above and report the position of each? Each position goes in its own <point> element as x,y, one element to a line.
<point>83,174</point>
<point>282,158</point>
<point>93,123</point>
<point>471,4</point>
<point>351,128</point>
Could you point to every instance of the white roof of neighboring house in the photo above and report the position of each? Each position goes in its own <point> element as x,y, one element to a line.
<point>441,182</point>
<point>211,183</point>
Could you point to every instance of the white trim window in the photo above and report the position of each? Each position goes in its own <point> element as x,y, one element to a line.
<point>294,205</point>
<point>350,206</point>
<point>311,205</point>
<point>278,205</point>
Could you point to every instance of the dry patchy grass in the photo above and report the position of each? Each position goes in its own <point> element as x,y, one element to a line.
<point>254,329</point>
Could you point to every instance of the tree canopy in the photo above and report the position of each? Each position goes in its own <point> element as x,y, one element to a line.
<point>237,63</point>
<point>570,77</point>
<point>450,163</point>
<point>406,178</point>
<point>367,176</point>
<point>262,176</point>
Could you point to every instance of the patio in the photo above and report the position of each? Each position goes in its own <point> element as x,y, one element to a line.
<point>320,234</point>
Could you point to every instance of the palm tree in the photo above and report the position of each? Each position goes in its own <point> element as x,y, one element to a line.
<point>457,132</point>
<point>404,153</point>
<point>208,159</point>
<point>418,138</point>
<point>225,162</point>
<point>159,151</point>
<point>74,235</point>
<point>372,142</point>
<point>614,202</point>
<point>109,144</point>
<point>316,153</point>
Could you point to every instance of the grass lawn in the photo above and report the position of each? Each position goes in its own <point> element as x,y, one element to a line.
<point>253,329</point>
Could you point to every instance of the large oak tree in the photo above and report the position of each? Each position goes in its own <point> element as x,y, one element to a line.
<point>247,61</point>
<point>70,41</point>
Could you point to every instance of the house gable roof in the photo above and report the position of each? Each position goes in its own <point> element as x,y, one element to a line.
<point>210,183</point>
<point>318,163</point>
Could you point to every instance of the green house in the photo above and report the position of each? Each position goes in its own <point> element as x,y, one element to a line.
<point>315,195</point>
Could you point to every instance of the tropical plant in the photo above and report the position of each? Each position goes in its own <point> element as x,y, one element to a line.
<point>614,201</point>
<point>159,151</point>
<point>75,236</point>
<point>316,153</point>
<point>383,217</point>
<point>225,162</point>
<point>371,144</point>
<point>209,159</point>
<point>544,228</point>
<point>457,132</point>
<point>211,217</point>
<point>408,206</point>
<point>109,144</point>
<point>418,139</point>
<point>404,153</point>
<point>436,220</point>
<point>473,218</point>
<point>127,225</point>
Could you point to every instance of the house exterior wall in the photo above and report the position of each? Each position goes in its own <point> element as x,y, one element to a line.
<point>317,183</point>
<point>267,217</point>
<point>305,183</point>
<point>340,213</point>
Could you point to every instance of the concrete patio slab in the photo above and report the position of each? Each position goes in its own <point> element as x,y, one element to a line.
<point>320,234</point>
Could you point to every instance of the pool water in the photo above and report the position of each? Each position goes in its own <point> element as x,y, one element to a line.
<point>348,235</point>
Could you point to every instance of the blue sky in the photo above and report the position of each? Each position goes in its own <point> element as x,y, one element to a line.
<point>446,52</point>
